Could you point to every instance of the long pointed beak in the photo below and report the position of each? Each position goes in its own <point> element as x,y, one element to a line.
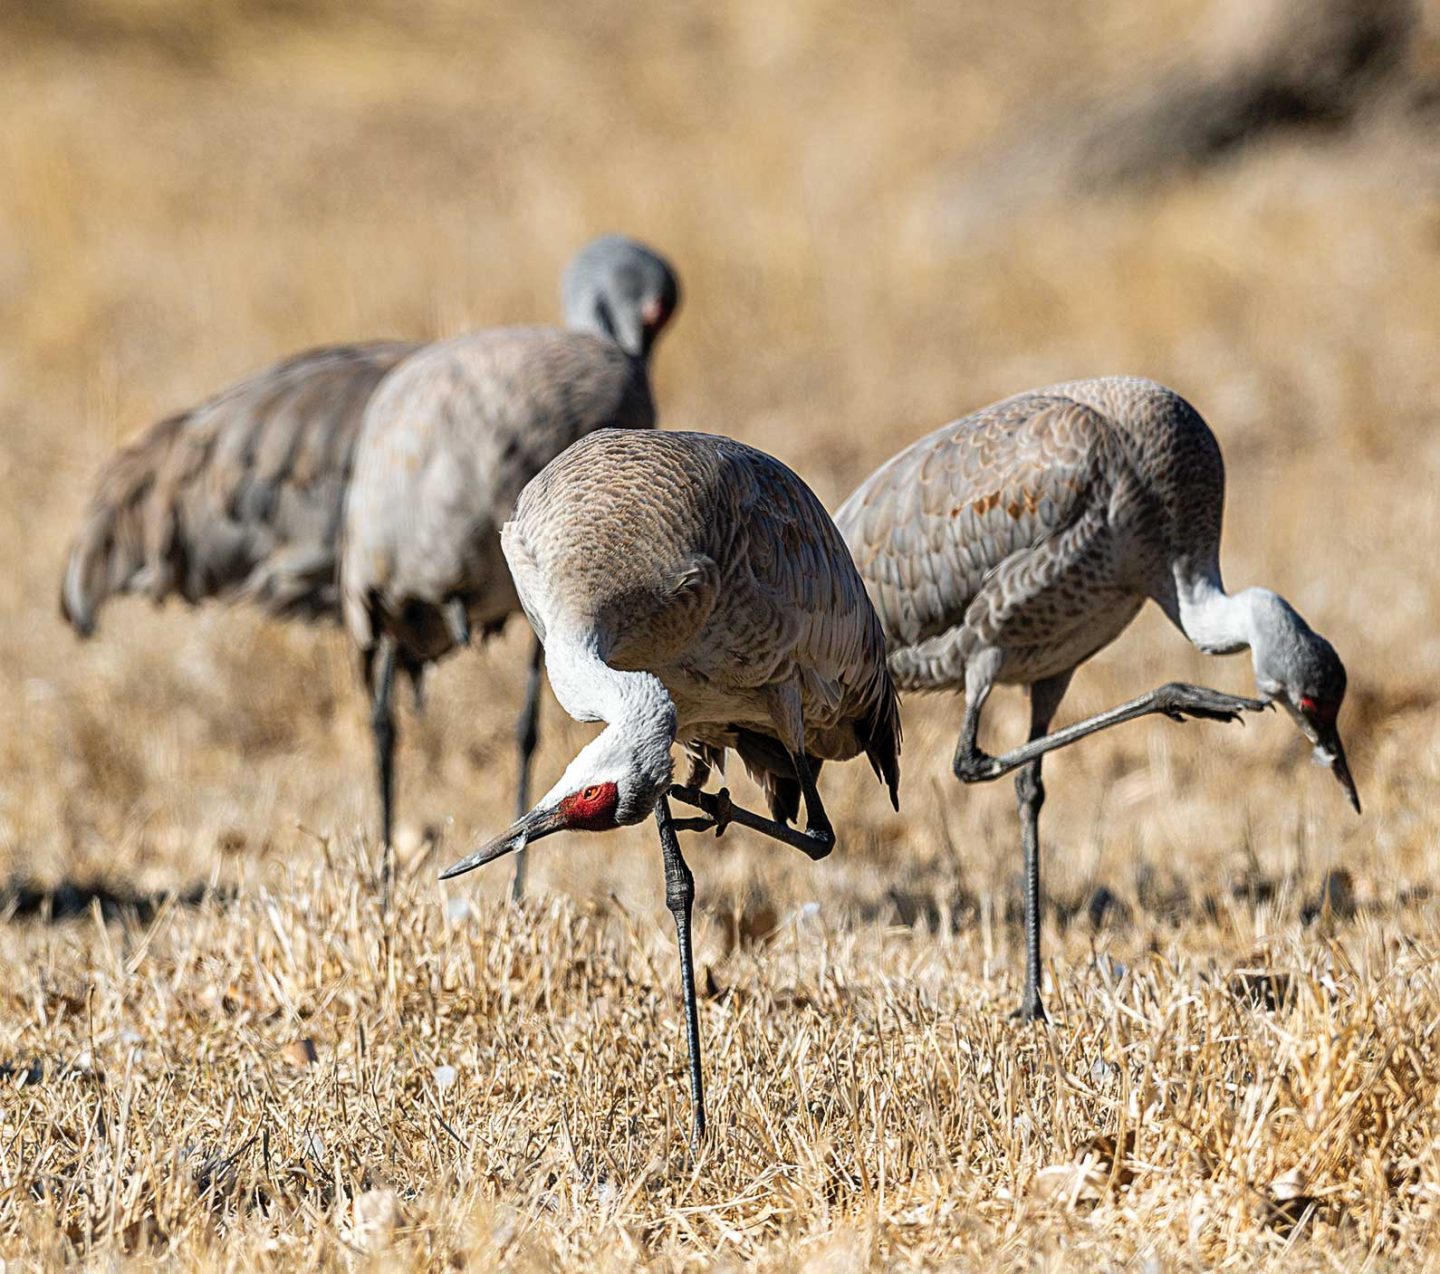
<point>533,826</point>
<point>1329,751</point>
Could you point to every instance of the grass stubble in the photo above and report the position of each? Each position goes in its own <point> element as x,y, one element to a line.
<point>255,1073</point>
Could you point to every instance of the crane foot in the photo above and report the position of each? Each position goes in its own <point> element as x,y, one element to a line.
<point>1180,702</point>
<point>978,767</point>
<point>716,806</point>
<point>1030,1010</point>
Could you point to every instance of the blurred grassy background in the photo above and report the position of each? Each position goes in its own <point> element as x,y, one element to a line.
<point>191,190</point>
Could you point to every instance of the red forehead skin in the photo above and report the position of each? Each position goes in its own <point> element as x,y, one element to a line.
<point>653,311</point>
<point>595,814</point>
<point>1322,710</point>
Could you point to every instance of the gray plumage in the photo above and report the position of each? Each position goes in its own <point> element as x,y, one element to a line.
<point>691,588</point>
<point>1035,527</point>
<point>712,566</point>
<point>1012,545</point>
<point>447,443</point>
<point>239,497</point>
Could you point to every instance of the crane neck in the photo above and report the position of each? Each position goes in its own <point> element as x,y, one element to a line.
<point>1220,623</point>
<point>589,689</point>
<point>598,314</point>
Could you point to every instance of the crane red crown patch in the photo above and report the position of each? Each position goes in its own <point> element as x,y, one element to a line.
<point>592,808</point>
<point>1325,710</point>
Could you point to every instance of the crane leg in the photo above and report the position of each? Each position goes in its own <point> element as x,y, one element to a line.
<point>1045,699</point>
<point>680,899</point>
<point>1176,700</point>
<point>815,841</point>
<point>382,722</point>
<point>527,735</point>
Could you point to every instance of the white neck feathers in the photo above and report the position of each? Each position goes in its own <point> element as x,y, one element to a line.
<point>1217,622</point>
<point>1221,623</point>
<point>590,690</point>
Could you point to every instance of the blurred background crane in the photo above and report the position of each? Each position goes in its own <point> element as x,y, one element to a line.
<point>243,497</point>
<point>447,444</point>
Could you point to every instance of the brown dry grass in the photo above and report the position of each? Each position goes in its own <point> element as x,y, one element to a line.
<point>190,191</point>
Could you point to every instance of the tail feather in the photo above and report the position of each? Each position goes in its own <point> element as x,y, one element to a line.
<point>108,555</point>
<point>767,762</point>
<point>880,736</point>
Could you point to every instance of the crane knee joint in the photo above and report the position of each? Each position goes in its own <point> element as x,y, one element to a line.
<point>976,767</point>
<point>679,893</point>
<point>821,843</point>
<point>1029,787</point>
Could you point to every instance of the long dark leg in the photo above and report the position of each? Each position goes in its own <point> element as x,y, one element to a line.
<point>527,735</point>
<point>1029,797</point>
<point>382,722</point>
<point>680,898</point>
<point>1175,700</point>
<point>815,841</point>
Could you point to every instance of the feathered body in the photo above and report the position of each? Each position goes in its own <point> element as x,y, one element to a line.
<point>1036,528</point>
<point>449,442</point>
<point>1012,545</point>
<point>243,496</point>
<point>712,566</point>
<point>238,497</point>
<point>691,589</point>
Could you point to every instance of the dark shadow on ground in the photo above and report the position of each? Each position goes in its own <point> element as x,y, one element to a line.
<point>72,900</point>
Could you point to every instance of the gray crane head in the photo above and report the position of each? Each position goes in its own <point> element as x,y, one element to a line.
<point>619,288</point>
<point>614,781</point>
<point>1300,669</point>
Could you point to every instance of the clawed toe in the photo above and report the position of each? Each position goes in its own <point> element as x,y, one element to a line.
<point>1199,703</point>
<point>717,808</point>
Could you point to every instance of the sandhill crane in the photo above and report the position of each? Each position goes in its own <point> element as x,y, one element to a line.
<point>1012,545</point>
<point>242,497</point>
<point>238,497</point>
<point>687,587</point>
<point>447,443</point>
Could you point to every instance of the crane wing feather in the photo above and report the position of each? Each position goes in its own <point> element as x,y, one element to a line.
<point>238,497</point>
<point>948,516</point>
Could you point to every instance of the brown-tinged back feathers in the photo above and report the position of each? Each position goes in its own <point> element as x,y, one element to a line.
<point>239,497</point>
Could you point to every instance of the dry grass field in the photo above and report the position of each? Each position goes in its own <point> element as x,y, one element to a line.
<point>212,1053</point>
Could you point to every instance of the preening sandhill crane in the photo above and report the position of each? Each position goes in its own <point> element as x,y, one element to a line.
<point>1012,545</point>
<point>689,588</point>
<point>448,442</point>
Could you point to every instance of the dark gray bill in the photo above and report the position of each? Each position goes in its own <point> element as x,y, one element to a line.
<point>1330,751</point>
<point>536,824</point>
